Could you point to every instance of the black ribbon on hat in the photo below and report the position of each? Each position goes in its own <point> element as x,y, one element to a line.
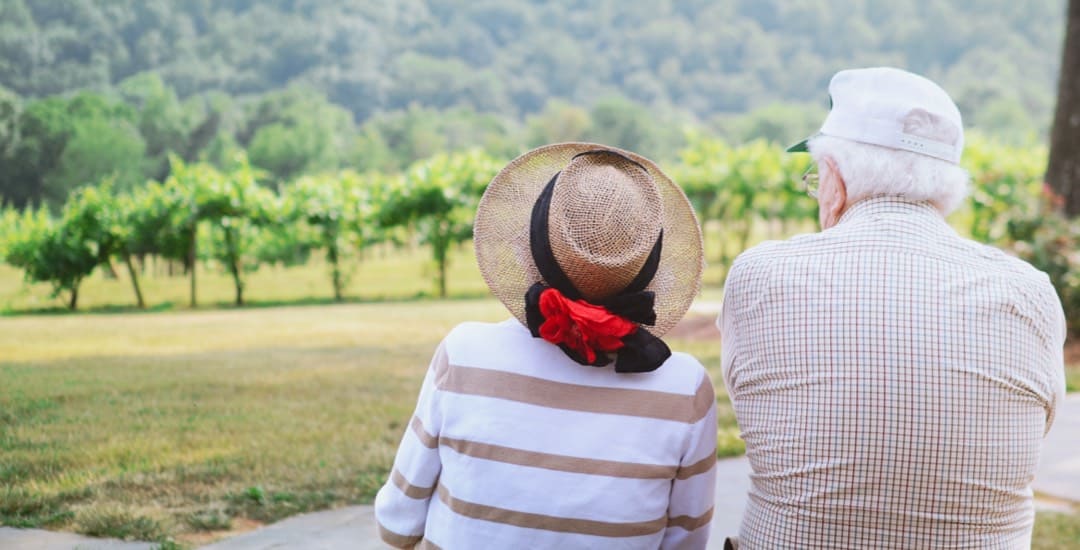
<point>641,351</point>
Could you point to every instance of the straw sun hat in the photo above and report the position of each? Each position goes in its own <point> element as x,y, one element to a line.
<point>616,229</point>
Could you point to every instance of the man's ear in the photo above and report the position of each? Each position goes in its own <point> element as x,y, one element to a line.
<point>838,198</point>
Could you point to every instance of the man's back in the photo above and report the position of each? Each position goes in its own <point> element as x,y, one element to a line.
<point>892,382</point>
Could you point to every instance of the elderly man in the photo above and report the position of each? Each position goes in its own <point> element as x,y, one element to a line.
<point>892,380</point>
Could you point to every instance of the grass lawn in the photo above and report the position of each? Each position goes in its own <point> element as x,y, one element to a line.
<point>182,425</point>
<point>175,424</point>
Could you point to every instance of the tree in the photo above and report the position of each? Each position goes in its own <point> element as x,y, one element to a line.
<point>512,57</point>
<point>181,200</point>
<point>559,121</point>
<point>97,148</point>
<point>620,122</point>
<point>235,207</point>
<point>337,212</point>
<point>439,197</point>
<point>50,251</point>
<point>99,219</point>
<point>10,106</point>
<point>1063,167</point>
<point>286,151</point>
<point>11,189</point>
<point>161,120</point>
<point>64,143</point>
<point>43,132</point>
<point>781,123</point>
<point>296,130</point>
<point>160,219</point>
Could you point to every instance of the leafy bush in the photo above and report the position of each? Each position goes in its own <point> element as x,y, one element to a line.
<point>1051,242</point>
<point>50,251</point>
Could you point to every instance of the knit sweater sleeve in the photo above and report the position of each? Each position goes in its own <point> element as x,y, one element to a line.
<point>401,506</point>
<point>692,498</point>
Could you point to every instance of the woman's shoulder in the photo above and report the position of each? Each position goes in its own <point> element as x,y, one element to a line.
<point>506,345</point>
<point>687,368</point>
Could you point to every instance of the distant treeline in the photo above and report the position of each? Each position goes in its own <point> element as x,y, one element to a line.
<point>51,146</point>
<point>111,87</point>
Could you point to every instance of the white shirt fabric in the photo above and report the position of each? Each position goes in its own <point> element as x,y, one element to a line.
<point>514,445</point>
<point>893,383</point>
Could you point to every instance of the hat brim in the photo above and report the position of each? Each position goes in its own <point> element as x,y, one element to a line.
<point>501,233</point>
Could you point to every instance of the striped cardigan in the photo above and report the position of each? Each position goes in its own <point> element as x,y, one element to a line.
<point>514,445</point>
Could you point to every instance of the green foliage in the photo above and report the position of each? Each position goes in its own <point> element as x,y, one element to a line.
<point>234,207</point>
<point>97,148</point>
<point>63,143</point>
<point>296,131</point>
<point>162,121</point>
<point>438,197</point>
<point>428,77</point>
<point>624,123</point>
<point>51,251</point>
<point>558,122</point>
<point>393,141</point>
<point>738,187</point>
<point>336,213</point>
<point>1006,181</point>
<point>226,220</point>
<point>1051,242</point>
<point>512,57</point>
<point>10,107</point>
<point>783,123</point>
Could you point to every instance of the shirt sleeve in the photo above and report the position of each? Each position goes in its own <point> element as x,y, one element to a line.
<point>401,506</point>
<point>690,508</point>
<point>729,326</point>
<point>1056,368</point>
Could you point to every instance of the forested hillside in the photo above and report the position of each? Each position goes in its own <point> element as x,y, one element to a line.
<point>511,56</point>
<point>93,87</point>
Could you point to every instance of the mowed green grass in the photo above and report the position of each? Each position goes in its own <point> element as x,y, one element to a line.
<point>158,425</point>
<point>184,421</point>
<point>185,424</point>
<point>180,426</point>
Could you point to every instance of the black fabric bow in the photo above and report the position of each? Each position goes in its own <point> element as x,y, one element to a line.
<point>641,351</point>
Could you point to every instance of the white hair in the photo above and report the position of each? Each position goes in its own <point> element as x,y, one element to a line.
<point>874,171</point>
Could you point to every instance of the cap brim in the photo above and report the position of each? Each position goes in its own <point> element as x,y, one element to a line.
<point>800,147</point>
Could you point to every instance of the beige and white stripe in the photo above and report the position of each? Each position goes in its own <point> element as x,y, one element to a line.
<point>533,449</point>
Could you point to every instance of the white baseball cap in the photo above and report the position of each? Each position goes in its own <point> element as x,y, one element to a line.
<point>876,105</point>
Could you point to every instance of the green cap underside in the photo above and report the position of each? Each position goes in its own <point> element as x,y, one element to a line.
<point>799,147</point>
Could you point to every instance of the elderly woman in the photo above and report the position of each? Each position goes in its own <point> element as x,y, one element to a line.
<point>571,425</point>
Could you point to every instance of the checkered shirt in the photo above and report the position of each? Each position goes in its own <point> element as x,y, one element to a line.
<point>893,383</point>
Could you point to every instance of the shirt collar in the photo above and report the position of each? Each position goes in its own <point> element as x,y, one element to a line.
<point>880,207</point>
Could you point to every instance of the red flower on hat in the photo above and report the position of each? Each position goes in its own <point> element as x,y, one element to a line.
<point>581,326</point>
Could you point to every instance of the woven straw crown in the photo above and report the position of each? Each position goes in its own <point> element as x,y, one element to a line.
<point>607,210</point>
